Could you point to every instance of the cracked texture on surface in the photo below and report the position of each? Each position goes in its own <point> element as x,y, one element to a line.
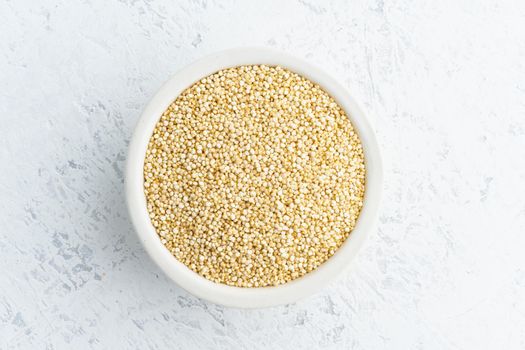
<point>443,84</point>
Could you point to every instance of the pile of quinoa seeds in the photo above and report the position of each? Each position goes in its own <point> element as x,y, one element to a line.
<point>254,176</point>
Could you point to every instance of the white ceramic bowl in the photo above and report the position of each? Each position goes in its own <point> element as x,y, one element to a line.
<point>221,293</point>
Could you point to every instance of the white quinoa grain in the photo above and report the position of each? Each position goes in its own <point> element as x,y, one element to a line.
<point>254,176</point>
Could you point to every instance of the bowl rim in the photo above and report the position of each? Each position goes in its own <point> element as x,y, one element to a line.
<point>190,280</point>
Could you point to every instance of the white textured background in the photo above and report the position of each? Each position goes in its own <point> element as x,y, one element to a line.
<point>443,83</point>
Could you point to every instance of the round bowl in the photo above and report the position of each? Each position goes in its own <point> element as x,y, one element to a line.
<point>221,293</point>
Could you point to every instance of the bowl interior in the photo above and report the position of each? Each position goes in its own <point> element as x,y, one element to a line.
<point>221,293</point>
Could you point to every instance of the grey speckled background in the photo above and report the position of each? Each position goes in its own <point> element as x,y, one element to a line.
<point>443,83</point>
